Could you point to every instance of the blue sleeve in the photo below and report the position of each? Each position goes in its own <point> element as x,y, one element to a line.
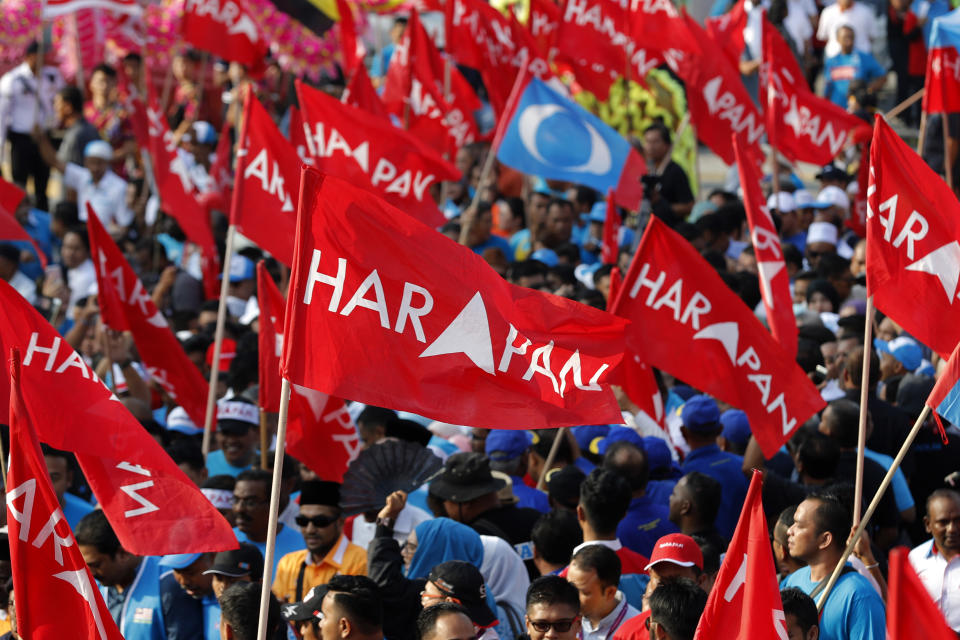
<point>866,619</point>
<point>873,69</point>
<point>901,491</point>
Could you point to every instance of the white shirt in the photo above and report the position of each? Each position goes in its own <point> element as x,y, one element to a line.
<point>798,22</point>
<point>859,17</point>
<point>108,197</point>
<point>18,99</point>
<point>605,629</point>
<point>615,545</point>
<point>82,282</point>
<point>24,286</point>
<point>407,520</point>
<point>941,578</point>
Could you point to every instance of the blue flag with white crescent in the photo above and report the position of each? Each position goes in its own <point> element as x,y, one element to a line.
<point>551,136</point>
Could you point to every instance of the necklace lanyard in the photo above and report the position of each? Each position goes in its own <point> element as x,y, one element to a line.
<point>614,626</point>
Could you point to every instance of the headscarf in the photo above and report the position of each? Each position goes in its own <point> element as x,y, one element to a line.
<point>504,573</point>
<point>440,540</point>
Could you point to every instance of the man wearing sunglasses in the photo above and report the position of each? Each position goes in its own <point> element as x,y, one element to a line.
<point>553,609</point>
<point>328,551</point>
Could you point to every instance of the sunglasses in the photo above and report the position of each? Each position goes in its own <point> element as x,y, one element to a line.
<point>560,626</point>
<point>318,521</point>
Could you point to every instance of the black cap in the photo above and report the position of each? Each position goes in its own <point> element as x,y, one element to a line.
<point>10,252</point>
<point>465,477</point>
<point>308,608</point>
<point>833,172</point>
<point>33,48</point>
<point>463,581</point>
<point>237,563</point>
<point>563,485</point>
<point>320,492</point>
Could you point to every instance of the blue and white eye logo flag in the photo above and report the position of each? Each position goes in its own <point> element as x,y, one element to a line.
<point>551,136</point>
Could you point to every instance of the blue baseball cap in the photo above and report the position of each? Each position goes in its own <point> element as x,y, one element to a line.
<point>546,256</point>
<point>204,133</point>
<point>658,453</point>
<point>906,351</point>
<point>241,268</point>
<point>179,560</point>
<point>700,413</point>
<point>503,444</point>
<point>598,212</point>
<point>617,433</point>
<point>587,433</point>
<point>736,427</point>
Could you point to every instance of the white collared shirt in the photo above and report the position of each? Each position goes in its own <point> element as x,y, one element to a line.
<point>616,545</point>
<point>108,197</point>
<point>606,628</point>
<point>941,578</point>
<point>18,99</point>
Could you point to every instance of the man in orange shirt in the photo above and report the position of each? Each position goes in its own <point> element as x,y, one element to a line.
<point>328,551</point>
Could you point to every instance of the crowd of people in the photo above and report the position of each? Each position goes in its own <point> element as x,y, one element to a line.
<point>617,536</point>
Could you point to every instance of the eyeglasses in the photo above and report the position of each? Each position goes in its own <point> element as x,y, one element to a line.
<point>560,626</point>
<point>318,521</point>
<point>246,503</point>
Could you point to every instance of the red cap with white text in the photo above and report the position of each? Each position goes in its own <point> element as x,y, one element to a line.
<point>679,549</point>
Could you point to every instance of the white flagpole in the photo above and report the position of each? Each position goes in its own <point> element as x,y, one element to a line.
<point>265,593</point>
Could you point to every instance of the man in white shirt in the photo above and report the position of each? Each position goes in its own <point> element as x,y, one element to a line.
<point>847,13</point>
<point>937,561</point>
<point>595,572</point>
<point>10,271</point>
<point>93,183</point>
<point>20,112</point>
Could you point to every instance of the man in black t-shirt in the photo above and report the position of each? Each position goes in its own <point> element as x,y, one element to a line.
<point>672,185</point>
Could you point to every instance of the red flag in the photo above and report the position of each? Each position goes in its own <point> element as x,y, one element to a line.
<point>911,612</point>
<point>674,297</point>
<point>808,128</point>
<point>320,432</point>
<point>125,305</point>
<point>719,104</point>
<point>479,36</point>
<point>437,332</point>
<point>942,79</point>
<point>351,49</point>
<point>857,222</point>
<point>226,30</point>
<point>220,170</point>
<point>153,507</point>
<point>727,31</point>
<point>10,198</point>
<point>355,146</point>
<point>744,603</point>
<point>771,267</point>
<point>543,25</point>
<point>610,251</point>
<point>47,565</point>
<point>268,177</point>
<point>913,253</point>
<point>360,94</point>
<point>640,385</point>
<point>298,139</point>
<point>55,8</point>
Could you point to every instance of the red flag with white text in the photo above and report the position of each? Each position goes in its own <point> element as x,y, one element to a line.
<point>47,565</point>
<point>543,24</point>
<point>125,305</point>
<point>675,299</point>
<point>913,243</point>
<point>431,328</point>
<point>320,432</point>
<point>297,138</point>
<point>152,506</point>
<point>744,603</point>
<point>356,146</point>
<point>227,30</point>
<point>771,266</point>
<point>268,178</point>
<point>727,31</point>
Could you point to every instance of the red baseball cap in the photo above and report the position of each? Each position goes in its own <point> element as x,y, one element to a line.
<point>679,549</point>
<point>228,351</point>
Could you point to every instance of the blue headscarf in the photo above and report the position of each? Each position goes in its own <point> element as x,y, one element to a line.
<point>443,539</point>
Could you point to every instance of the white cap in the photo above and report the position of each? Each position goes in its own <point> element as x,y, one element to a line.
<point>98,149</point>
<point>822,232</point>
<point>802,198</point>
<point>834,196</point>
<point>239,411</point>
<point>782,202</point>
<point>178,420</point>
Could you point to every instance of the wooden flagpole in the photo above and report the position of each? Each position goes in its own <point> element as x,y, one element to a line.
<point>542,481</point>
<point>264,439</point>
<point>265,593</point>
<point>218,342</point>
<point>864,396</point>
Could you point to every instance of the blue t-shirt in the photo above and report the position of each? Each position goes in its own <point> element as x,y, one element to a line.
<point>658,491</point>
<point>853,611</point>
<point>141,615</point>
<point>217,465</point>
<point>288,541</point>
<point>839,70</point>
<point>646,521</point>
<point>528,497</point>
<point>37,227</point>
<point>211,617</point>
<point>74,509</point>
<point>901,490</point>
<point>725,468</point>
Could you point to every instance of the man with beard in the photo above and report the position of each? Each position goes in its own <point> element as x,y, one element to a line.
<point>328,551</point>
<point>187,598</point>
<point>251,506</point>
<point>936,560</point>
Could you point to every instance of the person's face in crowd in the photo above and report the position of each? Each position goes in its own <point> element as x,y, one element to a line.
<point>432,595</point>
<point>323,527</point>
<point>794,632</point>
<point>789,223</point>
<point>655,148</point>
<point>482,227</point>
<point>197,476</point>
<point>888,330</point>
<point>478,439</point>
<point>858,262</point>
<point>843,284</point>
<point>8,269</point>
<point>309,629</point>
<point>943,523</point>
<point>452,626</point>
<point>537,208</point>
<point>107,569</point>
<point>332,626</point>
<point>497,261</point>
<point>371,434</point>
<point>667,570</point>
<point>559,614</point>
<point>251,506</point>
<point>192,580</point>
<point>237,447</point>
<point>409,548</point>
<point>804,541</point>
<point>559,223</point>
<point>817,249</point>
<point>62,109</point>
<point>102,85</point>
<point>60,475</point>
<point>12,612</point>
<point>845,39</point>
<point>889,366</point>
<point>220,583</point>
<point>507,221</point>
<point>800,291</point>
<point>131,69</point>
<point>183,69</point>
<point>97,167</point>
<point>237,73</point>
<point>595,597</point>
<point>73,252</point>
<point>679,500</point>
<point>833,359</point>
<point>819,303</point>
<point>747,263</point>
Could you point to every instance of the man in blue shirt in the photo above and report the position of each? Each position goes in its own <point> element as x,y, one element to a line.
<point>129,584</point>
<point>507,450</point>
<point>60,469</point>
<point>701,426</point>
<point>646,521</point>
<point>251,505</point>
<point>854,609</point>
<point>238,422</point>
<point>848,65</point>
<point>189,603</point>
